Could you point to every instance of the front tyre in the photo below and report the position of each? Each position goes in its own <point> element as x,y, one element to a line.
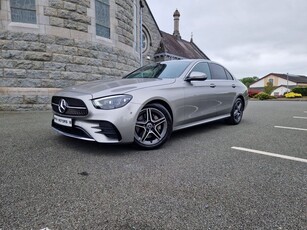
<point>236,112</point>
<point>153,127</point>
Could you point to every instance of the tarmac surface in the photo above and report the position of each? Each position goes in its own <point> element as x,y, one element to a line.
<point>197,180</point>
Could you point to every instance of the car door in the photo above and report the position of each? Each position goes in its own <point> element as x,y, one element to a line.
<point>199,96</point>
<point>224,86</point>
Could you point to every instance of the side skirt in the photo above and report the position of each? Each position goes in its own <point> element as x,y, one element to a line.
<point>201,122</point>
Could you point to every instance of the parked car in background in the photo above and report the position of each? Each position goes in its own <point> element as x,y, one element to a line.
<point>147,105</point>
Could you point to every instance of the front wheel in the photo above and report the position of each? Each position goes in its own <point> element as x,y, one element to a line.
<point>236,112</point>
<point>153,127</point>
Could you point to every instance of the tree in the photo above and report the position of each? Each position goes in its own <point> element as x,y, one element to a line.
<point>269,88</point>
<point>249,80</point>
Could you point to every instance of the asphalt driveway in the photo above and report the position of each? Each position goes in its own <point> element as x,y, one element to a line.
<point>213,176</point>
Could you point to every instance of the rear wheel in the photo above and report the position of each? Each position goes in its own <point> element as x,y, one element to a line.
<point>236,112</point>
<point>153,127</point>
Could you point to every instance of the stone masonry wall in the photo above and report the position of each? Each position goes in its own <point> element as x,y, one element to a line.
<point>124,16</point>
<point>70,14</point>
<point>44,63</point>
<point>155,36</point>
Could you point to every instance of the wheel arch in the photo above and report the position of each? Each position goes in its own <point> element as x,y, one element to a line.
<point>243,100</point>
<point>163,103</point>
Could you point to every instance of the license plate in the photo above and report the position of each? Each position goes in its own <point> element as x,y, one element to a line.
<point>62,121</point>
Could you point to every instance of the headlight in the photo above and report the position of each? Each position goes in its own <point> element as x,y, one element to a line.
<point>112,102</point>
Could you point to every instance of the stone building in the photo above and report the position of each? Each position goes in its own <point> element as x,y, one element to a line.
<point>173,47</point>
<point>50,44</point>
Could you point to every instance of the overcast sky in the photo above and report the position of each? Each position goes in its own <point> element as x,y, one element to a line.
<point>249,37</point>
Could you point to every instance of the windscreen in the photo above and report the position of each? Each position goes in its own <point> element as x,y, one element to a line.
<point>160,70</point>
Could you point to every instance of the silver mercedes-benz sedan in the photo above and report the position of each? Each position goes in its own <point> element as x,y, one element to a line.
<point>145,106</point>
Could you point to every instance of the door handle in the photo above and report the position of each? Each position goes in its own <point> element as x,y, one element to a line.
<point>234,86</point>
<point>212,85</point>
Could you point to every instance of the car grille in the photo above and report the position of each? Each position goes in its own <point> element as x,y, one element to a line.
<point>74,107</point>
<point>74,131</point>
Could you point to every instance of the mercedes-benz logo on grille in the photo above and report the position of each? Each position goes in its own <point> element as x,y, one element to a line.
<point>62,106</point>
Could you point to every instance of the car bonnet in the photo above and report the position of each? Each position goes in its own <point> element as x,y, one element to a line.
<point>103,88</point>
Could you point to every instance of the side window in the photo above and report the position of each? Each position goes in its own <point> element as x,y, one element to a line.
<point>23,11</point>
<point>229,76</point>
<point>102,12</point>
<point>217,72</point>
<point>204,68</point>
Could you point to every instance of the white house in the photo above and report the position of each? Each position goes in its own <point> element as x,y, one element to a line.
<point>282,82</point>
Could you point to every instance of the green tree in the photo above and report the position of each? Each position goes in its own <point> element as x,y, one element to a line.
<point>269,88</point>
<point>249,80</point>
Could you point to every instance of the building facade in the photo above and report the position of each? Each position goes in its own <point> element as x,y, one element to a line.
<point>47,45</point>
<point>281,82</point>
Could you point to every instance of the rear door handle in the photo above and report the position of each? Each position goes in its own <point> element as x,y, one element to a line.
<point>212,85</point>
<point>234,86</point>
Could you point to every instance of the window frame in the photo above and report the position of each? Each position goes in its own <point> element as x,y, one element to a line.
<point>106,25</point>
<point>209,77</point>
<point>212,75</point>
<point>32,9</point>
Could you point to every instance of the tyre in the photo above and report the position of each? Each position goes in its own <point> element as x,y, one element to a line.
<point>153,127</point>
<point>236,112</point>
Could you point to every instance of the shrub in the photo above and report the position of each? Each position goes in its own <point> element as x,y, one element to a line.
<point>293,95</point>
<point>264,96</point>
<point>301,90</point>
<point>253,92</point>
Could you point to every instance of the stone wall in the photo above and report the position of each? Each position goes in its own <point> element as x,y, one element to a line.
<point>62,49</point>
<point>70,14</point>
<point>33,63</point>
<point>124,16</point>
<point>154,33</point>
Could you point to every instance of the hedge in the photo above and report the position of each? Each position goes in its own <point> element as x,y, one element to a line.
<point>301,90</point>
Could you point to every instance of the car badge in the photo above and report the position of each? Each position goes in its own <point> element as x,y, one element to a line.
<point>62,106</point>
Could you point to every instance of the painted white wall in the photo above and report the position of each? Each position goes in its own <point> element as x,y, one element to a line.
<point>280,91</point>
<point>282,81</point>
<point>257,84</point>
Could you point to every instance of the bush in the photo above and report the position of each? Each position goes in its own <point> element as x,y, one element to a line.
<point>253,92</point>
<point>293,95</point>
<point>301,90</point>
<point>264,96</point>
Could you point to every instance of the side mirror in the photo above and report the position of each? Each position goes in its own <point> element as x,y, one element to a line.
<point>196,76</point>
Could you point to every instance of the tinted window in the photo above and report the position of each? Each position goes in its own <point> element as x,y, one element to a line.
<point>217,72</point>
<point>229,76</point>
<point>161,70</point>
<point>204,68</point>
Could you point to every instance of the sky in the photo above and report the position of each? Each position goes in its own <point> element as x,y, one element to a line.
<point>249,37</point>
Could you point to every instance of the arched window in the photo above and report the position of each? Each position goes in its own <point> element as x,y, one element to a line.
<point>146,40</point>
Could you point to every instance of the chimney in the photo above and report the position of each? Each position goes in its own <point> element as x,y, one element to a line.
<point>176,24</point>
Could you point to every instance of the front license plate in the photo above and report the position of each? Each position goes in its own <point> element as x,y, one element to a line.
<point>62,121</point>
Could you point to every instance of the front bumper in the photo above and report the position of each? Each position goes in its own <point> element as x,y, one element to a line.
<point>103,126</point>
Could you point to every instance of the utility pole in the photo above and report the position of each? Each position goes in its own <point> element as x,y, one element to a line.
<point>287,82</point>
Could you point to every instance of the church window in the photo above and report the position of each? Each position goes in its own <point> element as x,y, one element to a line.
<point>146,42</point>
<point>23,11</point>
<point>102,12</point>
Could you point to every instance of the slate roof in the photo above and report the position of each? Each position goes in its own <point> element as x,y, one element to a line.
<point>291,77</point>
<point>177,47</point>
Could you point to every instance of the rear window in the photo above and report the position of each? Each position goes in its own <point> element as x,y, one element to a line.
<point>217,72</point>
